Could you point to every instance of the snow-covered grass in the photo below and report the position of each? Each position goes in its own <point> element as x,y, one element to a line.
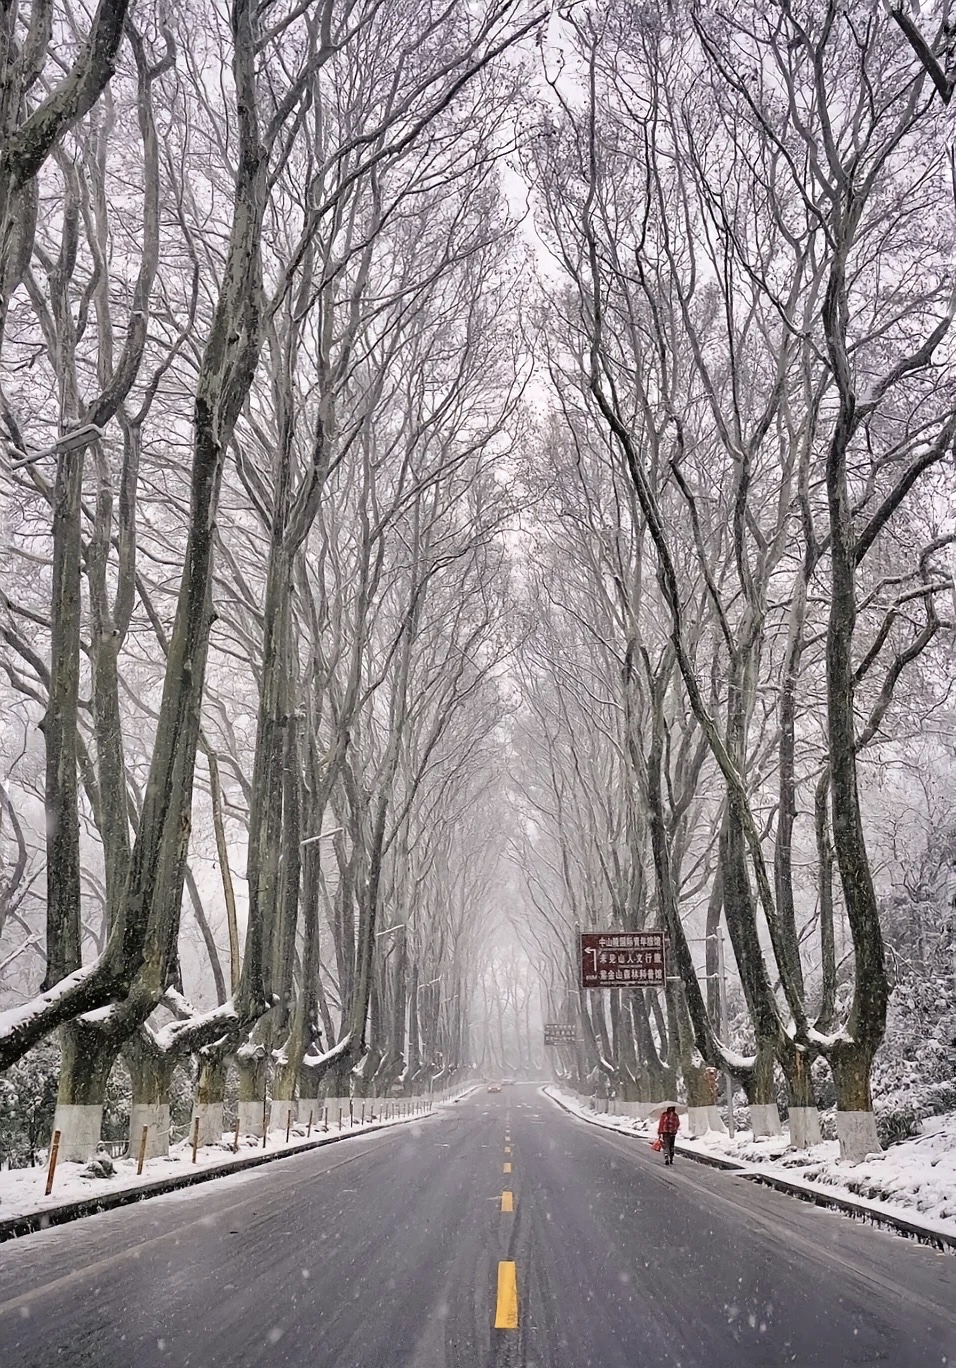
<point>914,1180</point>
<point>22,1190</point>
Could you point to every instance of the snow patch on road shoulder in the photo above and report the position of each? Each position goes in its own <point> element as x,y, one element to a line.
<point>914,1180</point>
<point>22,1190</point>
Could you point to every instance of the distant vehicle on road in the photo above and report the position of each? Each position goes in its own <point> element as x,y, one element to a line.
<point>507,1082</point>
<point>494,1087</point>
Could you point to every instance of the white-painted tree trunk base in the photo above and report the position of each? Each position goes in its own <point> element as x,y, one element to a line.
<point>209,1115</point>
<point>765,1119</point>
<point>696,1121</point>
<point>250,1118</point>
<point>155,1117</point>
<point>856,1132</point>
<point>804,1127</point>
<point>283,1111</point>
<point>307,1107</point>
<point>335,1105</point>
<point>79,1128</point>
<point>715,1122</point>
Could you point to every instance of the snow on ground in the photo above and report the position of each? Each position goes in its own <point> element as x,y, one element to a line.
<point>914,1179</point>
<point>22,1190</point>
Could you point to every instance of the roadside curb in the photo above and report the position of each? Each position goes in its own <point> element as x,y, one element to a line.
<point>899,1225</point>
<point>712,1160</point>
<point>29,1222</point>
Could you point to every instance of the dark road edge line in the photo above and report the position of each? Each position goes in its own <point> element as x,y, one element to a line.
<point>13,1227</point>
<point>899,1225</point>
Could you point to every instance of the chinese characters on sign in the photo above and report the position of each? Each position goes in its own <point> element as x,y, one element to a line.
<point>558,1033</point>
<point>622,959</point>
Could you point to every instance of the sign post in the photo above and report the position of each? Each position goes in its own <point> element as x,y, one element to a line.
<point>560,1033</point>
<point>725,1030</point>
<point>622,959</point>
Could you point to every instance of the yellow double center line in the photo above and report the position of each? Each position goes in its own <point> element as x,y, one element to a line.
<point>506,1304</point>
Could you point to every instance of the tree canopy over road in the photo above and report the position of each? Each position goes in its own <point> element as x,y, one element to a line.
<point>475,473</point>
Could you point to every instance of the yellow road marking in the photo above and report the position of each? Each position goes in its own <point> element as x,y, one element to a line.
<point>505,1168</point>
<point>506,1310</point>
<point>507,1201</point>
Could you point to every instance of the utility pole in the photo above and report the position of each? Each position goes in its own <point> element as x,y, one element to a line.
<point>725,1027</point>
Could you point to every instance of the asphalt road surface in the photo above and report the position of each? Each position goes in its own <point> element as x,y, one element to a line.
<point>399,1250</point>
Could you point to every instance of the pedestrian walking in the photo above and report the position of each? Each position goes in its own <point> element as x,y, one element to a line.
<point>667,1129</point>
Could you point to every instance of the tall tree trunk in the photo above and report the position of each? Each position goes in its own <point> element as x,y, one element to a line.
<point>87,1059</point>
<point>151,1074</point>
<point>210,1094</point>
<point>851,1058</point>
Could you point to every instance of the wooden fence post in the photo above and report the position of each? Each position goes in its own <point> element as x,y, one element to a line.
<point>51,1169</point>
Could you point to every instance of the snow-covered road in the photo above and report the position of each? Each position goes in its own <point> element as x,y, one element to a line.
<point>402,1249</point>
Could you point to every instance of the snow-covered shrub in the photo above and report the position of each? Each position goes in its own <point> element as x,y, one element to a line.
<point>181,1098</point>
<point>914,1074</point>
<point>117,1103</point>
<point>896,1120</point>
<point>27,1104</point>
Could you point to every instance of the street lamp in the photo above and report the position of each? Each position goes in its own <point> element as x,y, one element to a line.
<point>323,835</point>
<point>68,441</point>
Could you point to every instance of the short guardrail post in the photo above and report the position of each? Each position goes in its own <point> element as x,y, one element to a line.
<point>235,1138</point>
<point>309,1131</point>
<point>195,1137</point>
<point>288,1125</point>
<point>51,1167</point>
<point>142,1151</point>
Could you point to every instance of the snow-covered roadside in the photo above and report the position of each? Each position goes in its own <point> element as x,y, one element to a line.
<point>914,1180</point>
<point>22,1190</point>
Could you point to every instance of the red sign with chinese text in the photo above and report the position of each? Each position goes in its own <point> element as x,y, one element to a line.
<point>622,959</point>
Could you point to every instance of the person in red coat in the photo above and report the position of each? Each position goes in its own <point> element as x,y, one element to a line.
<point>667,1129</point>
